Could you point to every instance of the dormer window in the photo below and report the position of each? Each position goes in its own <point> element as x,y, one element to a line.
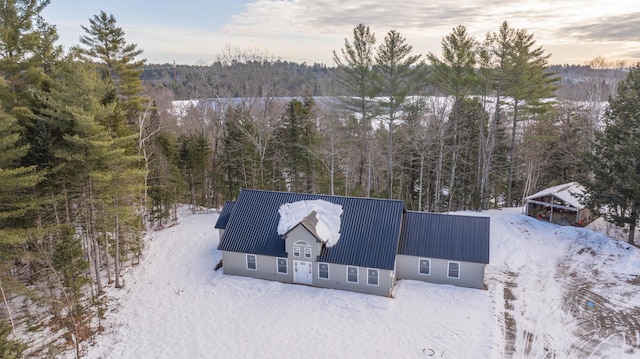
<point>298,247</point>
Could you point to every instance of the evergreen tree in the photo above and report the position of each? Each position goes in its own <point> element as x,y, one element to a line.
<point>166,184</point>
<point>398,78</point>
<point>615,191</point>
<point>236,154</point>
<point>194,160</point>
<point>21,46</point>
<point>297,137</point>
<point>530,85</point>
<point>16,183</point>
<point>356,76</point>
<point>14,179</point>
<point>10,348</point>
<point>106,43</point>
<point>28,55</point>
<point>455,75</point>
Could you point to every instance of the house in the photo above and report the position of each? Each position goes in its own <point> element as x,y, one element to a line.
<point>561,204</point>
<point>349,243</point>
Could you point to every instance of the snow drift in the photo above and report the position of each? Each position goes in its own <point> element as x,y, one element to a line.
<point>327,213</point>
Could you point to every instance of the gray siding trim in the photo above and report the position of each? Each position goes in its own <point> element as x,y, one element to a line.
<point>471,274</point>
<point>267,269</point>
<point>338,280</point>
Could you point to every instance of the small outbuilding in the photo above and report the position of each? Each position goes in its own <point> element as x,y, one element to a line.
<point>561,204</point>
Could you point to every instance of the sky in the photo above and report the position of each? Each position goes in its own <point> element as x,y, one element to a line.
<point>194,32</point>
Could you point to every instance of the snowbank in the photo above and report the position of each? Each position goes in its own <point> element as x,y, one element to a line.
<point>327,213</point>
<point>553,291</point>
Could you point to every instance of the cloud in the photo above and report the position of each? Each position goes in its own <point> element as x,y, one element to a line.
<point>612,28</point>
<point>421,18</point>
<point>315,27</point>
<point>331,17</point>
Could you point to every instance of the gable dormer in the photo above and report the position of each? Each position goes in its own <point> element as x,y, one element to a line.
<point>302,242</point>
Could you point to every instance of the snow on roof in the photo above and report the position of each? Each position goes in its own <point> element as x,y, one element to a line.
<point>570,193</point>
<point>327,213</point>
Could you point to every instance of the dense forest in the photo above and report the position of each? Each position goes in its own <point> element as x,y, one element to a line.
<point>97,147</point>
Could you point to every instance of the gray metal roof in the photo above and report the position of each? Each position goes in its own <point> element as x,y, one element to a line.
<point>369,229</point>
<point>445,236</point>
<point>223,218</point>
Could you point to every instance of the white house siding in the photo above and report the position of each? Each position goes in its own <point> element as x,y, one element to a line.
<point>471,274</point>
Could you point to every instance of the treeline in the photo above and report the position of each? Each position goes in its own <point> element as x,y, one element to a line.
<point>299,79</point>
<point>480,126</point>
<point>192,81</point>
<point>95,150</point>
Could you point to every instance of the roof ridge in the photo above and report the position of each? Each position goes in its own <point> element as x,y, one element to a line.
<point>322,194</point>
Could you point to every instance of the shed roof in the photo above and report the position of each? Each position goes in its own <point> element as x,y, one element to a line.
<point>223,218</point>
<point>569,193</point>
<point>369,228</point>
<point>445,236</point>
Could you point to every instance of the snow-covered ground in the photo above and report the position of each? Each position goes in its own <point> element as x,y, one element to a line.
<point>553,292</point>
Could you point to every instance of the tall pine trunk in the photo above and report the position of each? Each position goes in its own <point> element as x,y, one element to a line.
<point>633,224</point>
<point>90,222</point>
<point>512,153</point>
<point>484,195</point>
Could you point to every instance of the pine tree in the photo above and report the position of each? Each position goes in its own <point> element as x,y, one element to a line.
<point>615,191</point>
<point>455,76</point>
<point>15,203</point>
<point>398,78</point>
<point>10,348</point>
<point>106,43</point>
<point>356,75</point>
<point>28,55</point>
<point>14,179</point>
<point>194,160</point>
<point>21,46</point>
<point>529,84</point>
<point>297,137</point>
<point>165,180</point>
<point>455,73</point>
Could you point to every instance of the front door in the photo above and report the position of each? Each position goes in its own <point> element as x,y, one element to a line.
<point>302,272</point>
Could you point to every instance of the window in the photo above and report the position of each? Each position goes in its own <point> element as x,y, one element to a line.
<point>282,265</point>
<point>372,276</point>
<point>424,266</point>
<point>307,252</point>
<point>454,270</point>
<point>296,251</point>
<point>251,262</point>
<point>323,270</point>
<point>352,274</point>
